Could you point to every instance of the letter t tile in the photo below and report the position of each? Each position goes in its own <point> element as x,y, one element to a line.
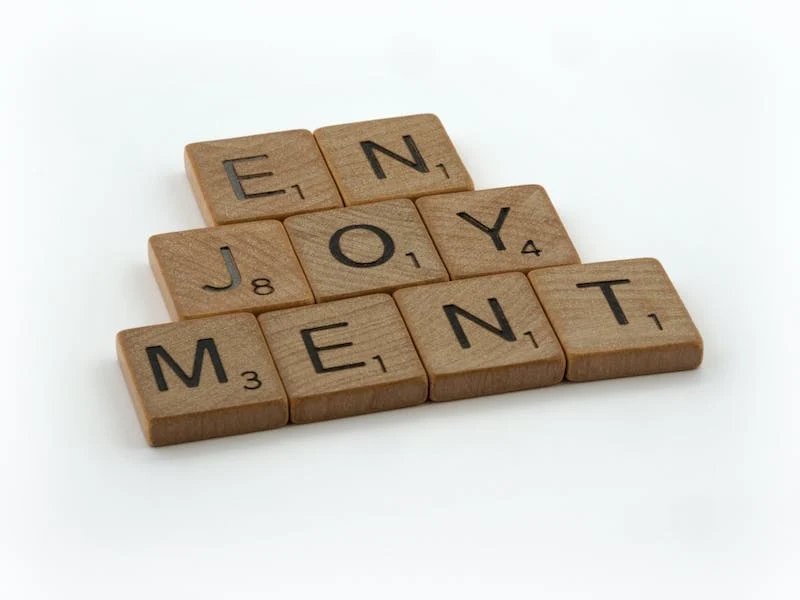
<point>618,318</point>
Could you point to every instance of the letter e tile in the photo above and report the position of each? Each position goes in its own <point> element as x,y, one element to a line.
<point>345,358</point>
<point>267,176</point>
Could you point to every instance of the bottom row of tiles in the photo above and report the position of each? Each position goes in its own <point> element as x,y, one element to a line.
<point>217,376</point>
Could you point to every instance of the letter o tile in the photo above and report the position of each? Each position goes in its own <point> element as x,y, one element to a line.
<point>365,249</point>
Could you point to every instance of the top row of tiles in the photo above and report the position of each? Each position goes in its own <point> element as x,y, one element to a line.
<point>275,175</point>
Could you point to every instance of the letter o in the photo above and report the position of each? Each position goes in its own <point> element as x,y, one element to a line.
<point>335,246</point>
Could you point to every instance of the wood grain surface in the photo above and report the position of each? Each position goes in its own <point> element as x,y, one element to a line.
<point>201,379</point>
<point>496,231</point>
<point>267,176</point>
<point>243,267</point>
<point>402,157</point>
<point>617,319</point>
<point>511,347</point>
<point>365,249</point>
<point>345,358</point>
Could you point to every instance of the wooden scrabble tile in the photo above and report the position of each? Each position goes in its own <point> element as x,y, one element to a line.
<point>617,319</point>
<point>404,157</point>
<point>243,267</point>
<point>496,231</point>
<point>345,358</point>
<point>481,336</point>
<point>268,176</point>
<point>373,248</point>
<point>201,379</point>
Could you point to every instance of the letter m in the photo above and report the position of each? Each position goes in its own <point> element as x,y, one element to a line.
<point>157,353</point>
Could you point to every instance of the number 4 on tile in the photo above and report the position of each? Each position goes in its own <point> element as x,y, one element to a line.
<point>530,248</point>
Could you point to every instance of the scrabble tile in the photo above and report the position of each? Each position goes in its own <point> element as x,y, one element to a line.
<point>201,379</point>
<point>496,231</point>
<point>373,248</point>
<point>345,358</point>
<point>481,336</point>
<point>267,176</point>
<point>244,267</point>
<point>404,157</point>
<point>617,319</point>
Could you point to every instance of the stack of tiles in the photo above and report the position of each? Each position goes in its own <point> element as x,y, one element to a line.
<point>354,270</point>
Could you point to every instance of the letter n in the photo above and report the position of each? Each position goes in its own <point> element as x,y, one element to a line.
<point>504,330</point>
<point>417,163</point>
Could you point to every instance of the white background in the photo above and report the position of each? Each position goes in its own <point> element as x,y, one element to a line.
<point>659,129</point>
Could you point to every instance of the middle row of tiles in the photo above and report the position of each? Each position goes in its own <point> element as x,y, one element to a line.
<point>357,250</point>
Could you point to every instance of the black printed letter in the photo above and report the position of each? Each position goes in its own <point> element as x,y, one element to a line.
<point>236,179</point>
<point>493,232</point>
<point>504,331</point>
<point>611,298</point>
<point>233,271</point>
<point>193,380</point>
<point>418,163</point>
<point>335,246</point>
<point>314,351</point>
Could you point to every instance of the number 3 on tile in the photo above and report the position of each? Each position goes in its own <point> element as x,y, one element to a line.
<point>251,377</point>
